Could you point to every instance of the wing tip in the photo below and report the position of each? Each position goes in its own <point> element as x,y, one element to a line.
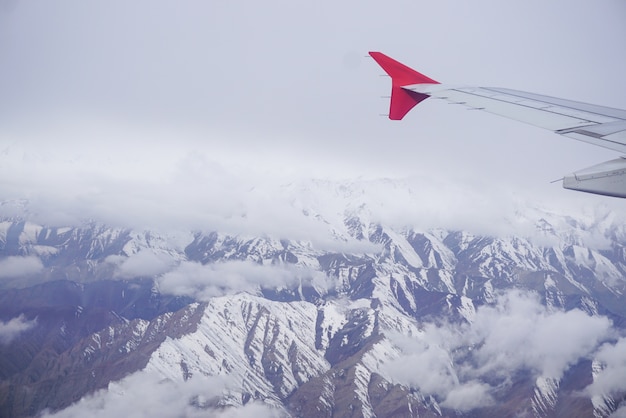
<point>402,100</point>
<point>401,75</point>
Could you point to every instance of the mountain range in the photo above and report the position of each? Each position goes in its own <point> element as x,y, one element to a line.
<point>381,321</point>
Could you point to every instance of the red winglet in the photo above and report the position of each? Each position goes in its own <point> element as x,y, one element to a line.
<point>402,100</point>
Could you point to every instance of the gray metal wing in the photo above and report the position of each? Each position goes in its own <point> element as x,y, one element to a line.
<point>598,125</point>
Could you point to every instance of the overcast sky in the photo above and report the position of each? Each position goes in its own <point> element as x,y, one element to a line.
<point>102,100</point>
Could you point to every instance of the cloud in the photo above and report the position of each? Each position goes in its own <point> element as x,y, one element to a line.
<point>169,185</point>
<point>171,189</point>
<point>145,263</point>
<point>251,410</point>
<point>455,362</point>
<point>518,332</point>
<point>206,281</point>
<point>144,394</point>
<point>612,361</point>
<point>431,365</point>
<point>11,329</point>
<point>468,396</point>
<point>16,266</point>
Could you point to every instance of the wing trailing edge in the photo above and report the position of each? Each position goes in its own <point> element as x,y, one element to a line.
<point>402,100</point>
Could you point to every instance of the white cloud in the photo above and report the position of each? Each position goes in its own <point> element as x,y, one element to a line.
<point>429,365</point>
<point>251,410</point>
<point>206,281</point>
<point>520,333</point>
<point>454,362</point>
<point>146,394</point>
<point>16,266</point>
<point>169,187</point>
<point>144,263</point>
<point>14,327</point>
<point>426,364</point>
<point>468,396</point>
<point>611,378</point>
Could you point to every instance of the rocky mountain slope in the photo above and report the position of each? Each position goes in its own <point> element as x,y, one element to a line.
<point>393,322</point>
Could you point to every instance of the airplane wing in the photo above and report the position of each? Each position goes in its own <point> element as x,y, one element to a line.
<point>598,125</point>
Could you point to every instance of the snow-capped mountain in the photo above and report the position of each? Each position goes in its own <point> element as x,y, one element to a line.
<point>385,321</point>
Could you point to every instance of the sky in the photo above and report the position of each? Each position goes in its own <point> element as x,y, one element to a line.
<point>110,109</point>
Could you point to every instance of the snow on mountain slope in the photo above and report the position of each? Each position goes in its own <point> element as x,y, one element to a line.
<point>267,347</point>
<point>545,397</point>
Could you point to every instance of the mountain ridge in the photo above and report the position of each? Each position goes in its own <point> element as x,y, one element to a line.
<point>407,283</point>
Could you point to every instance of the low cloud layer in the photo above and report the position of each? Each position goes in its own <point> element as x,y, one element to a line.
<point>141,264</point>
<point>172,189</point>
<point>16,266</point>
<point>203,282</point>
<point>11,329</point>
<point>454,362</point>
<point>147,394</point>
<point>520,333</point>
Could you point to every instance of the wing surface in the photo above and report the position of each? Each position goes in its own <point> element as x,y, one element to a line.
<point>598,125</point>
